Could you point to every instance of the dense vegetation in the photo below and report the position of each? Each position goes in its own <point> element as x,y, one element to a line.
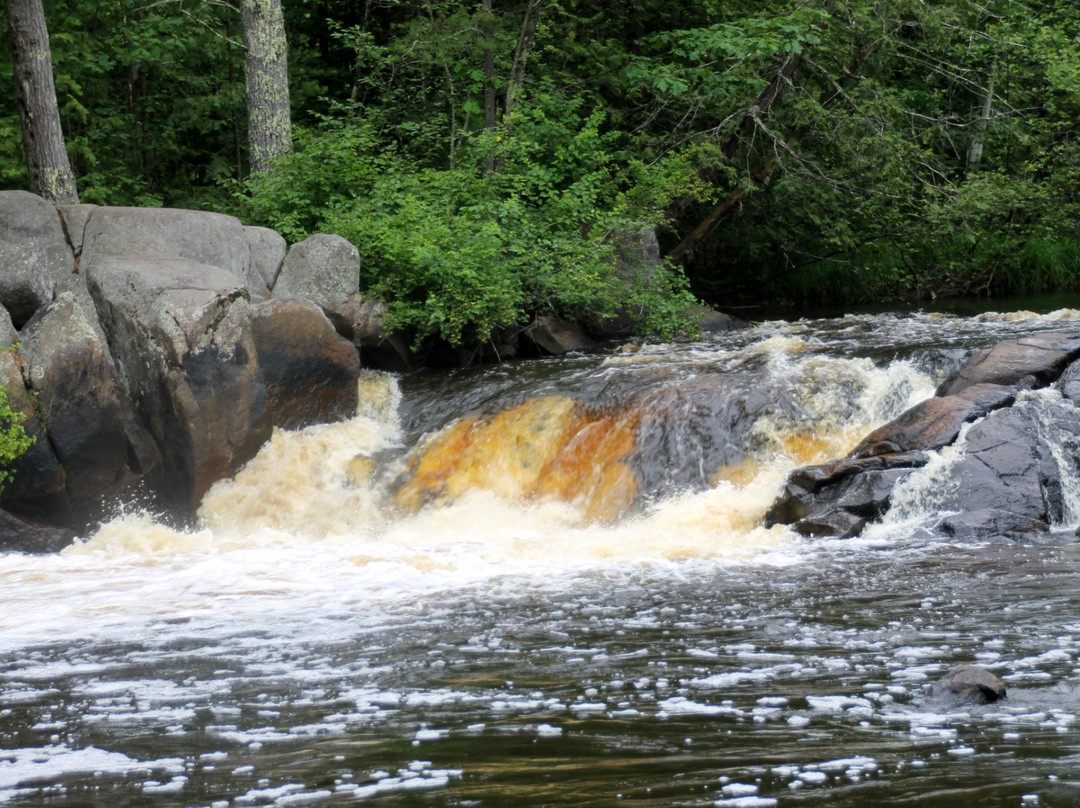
<point>492,159</point>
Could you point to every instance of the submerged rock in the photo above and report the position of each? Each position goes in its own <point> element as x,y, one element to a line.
<point>1007,481</point>
<point>964,686</point>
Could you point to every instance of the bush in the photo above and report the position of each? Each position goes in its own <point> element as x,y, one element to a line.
<point>13,438</point>
<point>528,220</point>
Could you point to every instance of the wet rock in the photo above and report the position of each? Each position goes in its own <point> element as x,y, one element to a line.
<point>557,336</point>
<point>1033,361</point>
<point>309,371</point>
<point>325,270</point>
<point>711,321</point>
<point>836,522</point>
<point>34,254</point>
<point>1008,481</point>
<point>179,333</point>
<point>37,489</point>
<point>935,422</point>
<point>838,499</point>
<point>103,450</point>
<point>966,685</point>
<point>990,523</point>
<point>22,536</point>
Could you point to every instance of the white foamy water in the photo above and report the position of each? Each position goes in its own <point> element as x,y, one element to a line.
<point>311,641</point>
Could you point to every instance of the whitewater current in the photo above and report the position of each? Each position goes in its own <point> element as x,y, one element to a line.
<point>549,583</point>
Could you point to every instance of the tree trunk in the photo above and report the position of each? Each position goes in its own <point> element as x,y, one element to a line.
<point>978,133</point>
<point>266,63</point>
<point>47,164</point>
<point>525,43</point>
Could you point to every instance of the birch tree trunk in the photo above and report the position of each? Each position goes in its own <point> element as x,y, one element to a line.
<point>978,132</point>
<point>266,63</point>
<point>47,164</point>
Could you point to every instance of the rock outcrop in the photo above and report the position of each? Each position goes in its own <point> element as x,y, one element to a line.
<point>1006,482</point>
<point>147,366</point>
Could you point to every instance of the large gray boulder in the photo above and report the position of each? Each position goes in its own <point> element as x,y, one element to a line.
<point>178,331</point>
<point>34,255</point>
<point>105,453</point>
<point>325,270</point>
<point>196,237</point>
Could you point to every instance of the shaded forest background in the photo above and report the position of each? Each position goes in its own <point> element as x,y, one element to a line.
<point>493,159</point>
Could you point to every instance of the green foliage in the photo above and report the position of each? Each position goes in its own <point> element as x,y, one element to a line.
<point>460,252</point>
<point>13,438</point>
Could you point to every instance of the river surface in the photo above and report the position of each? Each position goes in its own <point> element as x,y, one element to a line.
<point>547,583</point>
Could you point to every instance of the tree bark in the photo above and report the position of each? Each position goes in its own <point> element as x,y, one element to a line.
<point>978,133</point>
<point>525,43</point>
<point>266,63</point>
<point>47,164</point>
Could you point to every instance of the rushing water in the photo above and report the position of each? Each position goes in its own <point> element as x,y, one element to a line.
<point>547,584</point>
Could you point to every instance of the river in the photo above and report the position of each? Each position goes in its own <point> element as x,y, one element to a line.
<point>547,583</point>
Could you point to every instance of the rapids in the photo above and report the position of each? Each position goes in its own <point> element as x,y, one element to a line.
<point>547,583</point>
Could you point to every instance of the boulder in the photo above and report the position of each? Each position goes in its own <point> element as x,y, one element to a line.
<point>179,333</point>
<point>324,269</point>
<point>966,685</point>
<point>990,523</point>
<point>18,535</point>
<point>34,255</point>
<point>104,451</point>
<point>145,234</point>
<point>557,336</point>
<point>935,422</point>
<point>711,321</point>
<point>309,371</point>
<point>839,498</point>
<point>379,349</point>
<point>268,250</point>
<point>1033,361</point>
<point>1008,480</point>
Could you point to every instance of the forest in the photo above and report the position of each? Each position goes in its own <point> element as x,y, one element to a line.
<point>493,160</point>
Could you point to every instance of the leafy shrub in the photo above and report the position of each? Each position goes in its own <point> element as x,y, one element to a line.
<point>13,438</point>
<point>528,220</point>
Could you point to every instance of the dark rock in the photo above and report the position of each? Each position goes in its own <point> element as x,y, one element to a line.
<point>37,489</point>
<point>990,523</point>
<point>18,535</point>
<point>379,349</point>
<point>92,429</point>
<point>310,372</point>
<point>935,422</point>
<point>1039,359</point>
<point>836,522</point>
<point>966,685</point>
<point>711,321</point>
<point>558,336</point>
<point>34,254</point>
